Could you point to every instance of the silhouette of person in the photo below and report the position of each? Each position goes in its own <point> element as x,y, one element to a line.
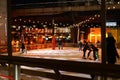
<point>80,45</point>
<point>95,51</point>
<point>85,48</point>
<point>60,44</point>
<point>98,44</point>
<point>111,50</point>
<point>53,42</point>
<point>22,47</point>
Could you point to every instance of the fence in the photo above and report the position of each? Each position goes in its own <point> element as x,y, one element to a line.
<point>93,69</point>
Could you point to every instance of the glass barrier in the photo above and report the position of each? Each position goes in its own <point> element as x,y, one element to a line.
<point>3,26</point>
<point>70,21</point>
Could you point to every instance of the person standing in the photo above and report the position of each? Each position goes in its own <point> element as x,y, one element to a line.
<point>111,51</point>
<point>80,45</point>
<point>60,44</point>
<point>22,47</point>
<point>53,42</point>
<point>98,44</point>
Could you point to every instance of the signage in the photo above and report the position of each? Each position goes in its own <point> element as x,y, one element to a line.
<point>111,23</point>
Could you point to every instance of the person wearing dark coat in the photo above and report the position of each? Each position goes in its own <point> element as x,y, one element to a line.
<point>60,44</point>
<point>80,45</point>
<point>111,50</point>
<point>22,47</point>
<point>85,48</point>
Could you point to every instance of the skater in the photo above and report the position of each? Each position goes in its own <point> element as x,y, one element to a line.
<point>60,46</point>
<point>22,48</point>
<point>80,45</point>
<point>85,48</point>
<point>95,52</point>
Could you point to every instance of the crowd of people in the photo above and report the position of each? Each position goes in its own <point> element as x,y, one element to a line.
<point>89,47</point>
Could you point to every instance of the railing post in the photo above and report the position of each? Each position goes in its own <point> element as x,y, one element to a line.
<point>96,78</point>
<point>103,34</point>
<point>87,3</point>
<point>16,72</point>
<point>58,75</point>
<point>103,31</point>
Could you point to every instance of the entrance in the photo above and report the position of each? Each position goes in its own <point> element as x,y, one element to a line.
<point>95,37</point>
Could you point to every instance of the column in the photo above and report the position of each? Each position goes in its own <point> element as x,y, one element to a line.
<point>78,35</point>
<point>17,72</point>
<point>82,35</point>
<point>87,3</point>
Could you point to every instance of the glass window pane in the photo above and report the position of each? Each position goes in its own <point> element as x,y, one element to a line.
<point>3,26</point>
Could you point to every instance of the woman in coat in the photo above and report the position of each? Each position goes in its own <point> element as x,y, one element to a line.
<point>112,53</point>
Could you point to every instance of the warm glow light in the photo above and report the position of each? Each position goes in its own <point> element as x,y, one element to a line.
<point>113,7</point>
<point>38,21</point>
<point>17,49</point>
<point>118,2</point>
<point>29,20</point>
<point>96,37</point>
<point>20,19</point>
<point>108,7</point>
<point>31,42</point>
<point>24,21</point>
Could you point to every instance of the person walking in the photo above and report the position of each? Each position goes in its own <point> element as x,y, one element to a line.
<point>111,51</point>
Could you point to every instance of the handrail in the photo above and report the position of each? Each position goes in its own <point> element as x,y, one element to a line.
<point>53,75</point>
<point>98,69</point>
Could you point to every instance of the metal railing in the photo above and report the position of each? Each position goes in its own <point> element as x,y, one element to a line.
<point>94,69</point>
